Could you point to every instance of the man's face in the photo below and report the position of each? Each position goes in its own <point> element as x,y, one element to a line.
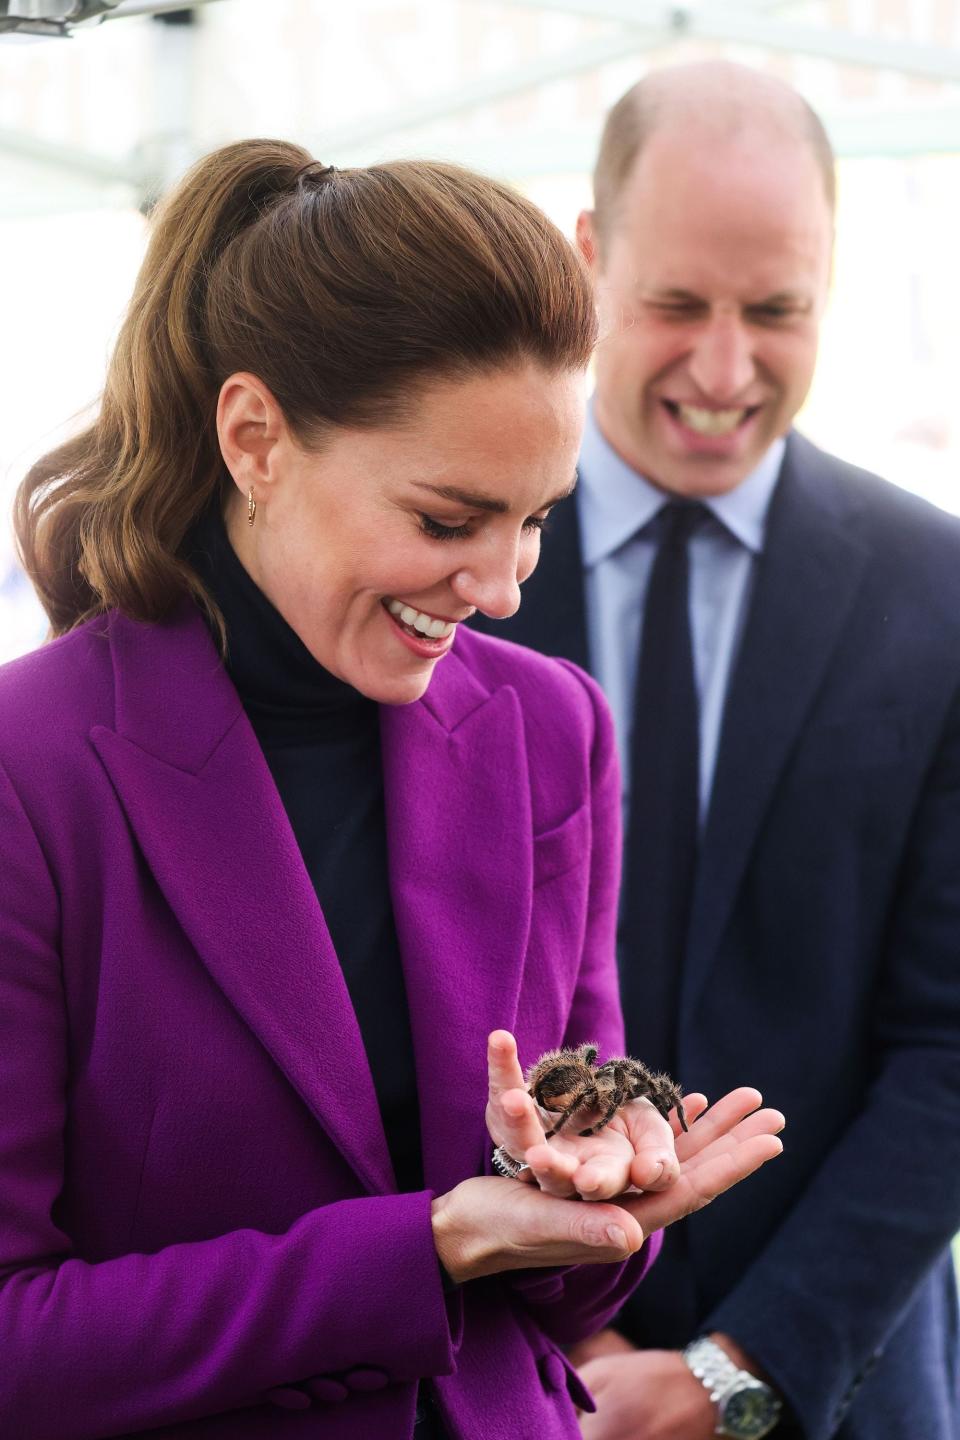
<point>710,288</point>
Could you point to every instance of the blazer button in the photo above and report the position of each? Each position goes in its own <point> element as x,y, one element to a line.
<point>289,1397</point>
<point>553,1373</point>
<point>366,1377</point>
<point>327,1390</point>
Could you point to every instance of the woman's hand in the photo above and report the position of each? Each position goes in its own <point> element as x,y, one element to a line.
<point>729,1142</point>
<point>489,1224</point>
<point>635,1149</point>
<point>678,1172</point>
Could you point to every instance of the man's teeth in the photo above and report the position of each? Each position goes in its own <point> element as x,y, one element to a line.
<point>710,422</point>
<point>424,624</point>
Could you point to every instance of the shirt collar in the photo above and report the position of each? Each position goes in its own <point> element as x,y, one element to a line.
<point>616,502</point>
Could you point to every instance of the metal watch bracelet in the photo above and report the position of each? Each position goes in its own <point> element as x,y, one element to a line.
<point>748,1408</point>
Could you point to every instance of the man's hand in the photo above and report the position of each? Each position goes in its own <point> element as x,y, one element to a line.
<point>646,1395</point>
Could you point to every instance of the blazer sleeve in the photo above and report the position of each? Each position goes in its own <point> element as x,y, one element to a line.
<point>829,1289</point>
<point>572,1303</point>
<point>224,1320</point>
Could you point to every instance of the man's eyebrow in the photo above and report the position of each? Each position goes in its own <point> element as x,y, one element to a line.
<point>783,297</point>
<point>473,500</point>
<point>672,294</point>
<point>687,297</point>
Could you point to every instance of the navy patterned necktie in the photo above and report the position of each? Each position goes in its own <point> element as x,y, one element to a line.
<point>662,835</point>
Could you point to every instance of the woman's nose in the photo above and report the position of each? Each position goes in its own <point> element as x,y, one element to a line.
<point>494,591</point>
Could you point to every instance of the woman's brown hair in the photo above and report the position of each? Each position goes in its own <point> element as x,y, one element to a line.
<point>343,290</point>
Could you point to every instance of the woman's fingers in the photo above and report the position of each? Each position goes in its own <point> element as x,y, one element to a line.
<point>605,1174</point>
<point>653,1164</point>
<point>503,1064</point>
<point>719,1120</point>
<point>715,1170</point>
<point>760,1123</point>
<point>653,1169</point>
<point>514,1124</point>
<point>552,1170</point>
<point>512,1117</point>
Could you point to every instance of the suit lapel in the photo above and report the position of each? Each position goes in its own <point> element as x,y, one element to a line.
<point>459,840</point>
<point>201,801</point>
<point>809,574</point>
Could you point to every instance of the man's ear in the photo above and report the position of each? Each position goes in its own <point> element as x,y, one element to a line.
<point>249,424</point>
<point>587,239</point>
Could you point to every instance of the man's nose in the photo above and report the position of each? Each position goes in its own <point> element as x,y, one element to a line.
<point>721,365</point>
<point>492,586</point>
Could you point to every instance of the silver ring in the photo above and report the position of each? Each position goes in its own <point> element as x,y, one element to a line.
<point>505,1164</point>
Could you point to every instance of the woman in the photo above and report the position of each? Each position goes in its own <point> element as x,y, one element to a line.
<point>242,1140</point>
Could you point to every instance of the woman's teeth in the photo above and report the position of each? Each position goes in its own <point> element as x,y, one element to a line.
<point>424,625</point>
<point>711,422</point>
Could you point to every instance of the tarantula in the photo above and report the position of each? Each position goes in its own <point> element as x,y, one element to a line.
<point>567,1081</point>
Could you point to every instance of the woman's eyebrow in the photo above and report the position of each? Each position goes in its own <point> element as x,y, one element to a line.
<point>473,500</point>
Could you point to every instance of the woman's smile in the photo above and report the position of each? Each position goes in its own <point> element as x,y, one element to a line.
<point>424,634</point>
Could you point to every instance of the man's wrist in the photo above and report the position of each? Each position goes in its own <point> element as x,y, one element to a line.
<point>739,1356</point>
<point>747,1406</point>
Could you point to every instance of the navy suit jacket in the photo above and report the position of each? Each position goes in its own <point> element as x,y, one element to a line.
<point>824,953</point>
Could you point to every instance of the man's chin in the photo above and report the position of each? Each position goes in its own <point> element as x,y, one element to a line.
<point>699,477</point>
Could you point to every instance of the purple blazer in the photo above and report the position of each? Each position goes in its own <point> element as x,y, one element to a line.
<point>199,1225</point>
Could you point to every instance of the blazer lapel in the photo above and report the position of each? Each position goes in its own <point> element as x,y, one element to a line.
<point>459,837</point>
<point>808,577</point>
<point>201,801</point>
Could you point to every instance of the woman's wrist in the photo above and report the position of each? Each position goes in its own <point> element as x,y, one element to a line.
<point>452,1241</point>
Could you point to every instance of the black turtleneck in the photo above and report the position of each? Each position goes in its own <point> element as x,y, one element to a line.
<point>321,740</point>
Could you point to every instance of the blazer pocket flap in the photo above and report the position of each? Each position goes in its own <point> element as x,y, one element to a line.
<point>563,847</point>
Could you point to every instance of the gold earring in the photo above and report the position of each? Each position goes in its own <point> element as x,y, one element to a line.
<point>251,507</point>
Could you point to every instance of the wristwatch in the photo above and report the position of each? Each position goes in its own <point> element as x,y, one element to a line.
<point>748,1409</point>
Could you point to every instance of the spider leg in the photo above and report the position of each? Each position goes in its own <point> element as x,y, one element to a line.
<point>618,1095</point>
<point>607,1116</point>
<point>665,1095</point>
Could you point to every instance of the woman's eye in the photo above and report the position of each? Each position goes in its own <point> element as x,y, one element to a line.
<point>436,531</point>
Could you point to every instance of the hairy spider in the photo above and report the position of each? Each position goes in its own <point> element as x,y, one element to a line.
<point>567,1081</point>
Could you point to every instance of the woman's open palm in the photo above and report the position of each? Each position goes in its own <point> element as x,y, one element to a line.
<point>638,1150</point>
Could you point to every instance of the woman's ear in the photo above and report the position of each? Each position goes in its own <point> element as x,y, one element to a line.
<point>249,425</point>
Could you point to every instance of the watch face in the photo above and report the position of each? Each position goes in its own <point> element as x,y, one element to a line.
<point>750,1413</point>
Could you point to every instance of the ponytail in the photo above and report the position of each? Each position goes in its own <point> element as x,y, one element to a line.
<point>99,520</point>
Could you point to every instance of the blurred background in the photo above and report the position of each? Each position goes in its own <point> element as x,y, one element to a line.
<point>102,104</point>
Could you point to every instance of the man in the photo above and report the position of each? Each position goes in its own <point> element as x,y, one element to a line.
<point>791,917</point>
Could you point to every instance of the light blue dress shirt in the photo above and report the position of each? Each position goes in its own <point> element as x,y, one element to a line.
<point>616,507</point>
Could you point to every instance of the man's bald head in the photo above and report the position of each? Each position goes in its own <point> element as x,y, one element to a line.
<point>713,102</point>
